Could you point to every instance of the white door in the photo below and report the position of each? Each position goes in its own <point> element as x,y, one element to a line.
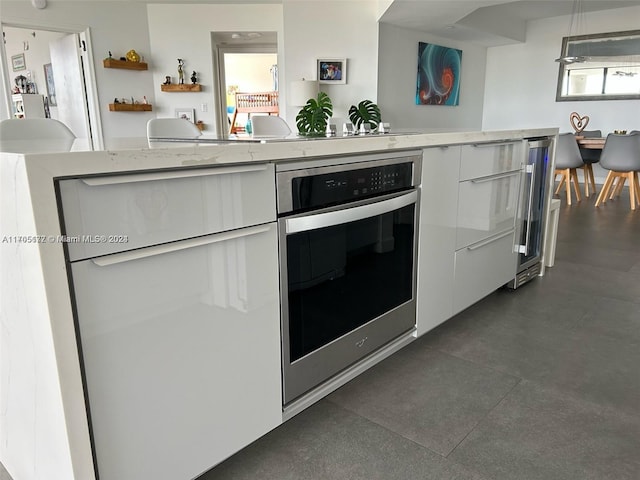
<point>68,76</point>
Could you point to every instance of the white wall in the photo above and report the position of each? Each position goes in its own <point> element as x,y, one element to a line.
<point>397,80</point>
<point>36,56</point>
<point>521,79</point>
<point>114,26</point>
<point>250,72</point>
<point>184,31</point>
<point>332,29</point>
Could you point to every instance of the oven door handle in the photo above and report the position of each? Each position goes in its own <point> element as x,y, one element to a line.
<point>346,215</point>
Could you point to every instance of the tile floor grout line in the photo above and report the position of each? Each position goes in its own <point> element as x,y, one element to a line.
<point>397,434</point>
<point>520,380</point>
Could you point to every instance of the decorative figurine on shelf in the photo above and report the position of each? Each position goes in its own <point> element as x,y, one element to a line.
<point>167,80</point>
<point>144,100</point>
<point>194,77</point>
<point>133,56</point>
<point>180,71</point>
<point>110,56</point>
<point>115,100</point>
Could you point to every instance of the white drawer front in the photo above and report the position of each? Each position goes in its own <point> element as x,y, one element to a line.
<point>181,351</point>
<point>110,214</point>
<point>487,206</point>
<point>482,268</point>
<point>488,159</point>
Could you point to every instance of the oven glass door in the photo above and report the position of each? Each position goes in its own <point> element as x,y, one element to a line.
<point>344,269</point>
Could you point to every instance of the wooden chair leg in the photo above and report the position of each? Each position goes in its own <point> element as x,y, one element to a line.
<point>576,186</point>
<point>618,187</point>
<point>632,190</point>
<point>586,180</point>
<point>589,180</point>
<point>558,172</point>
<point>637,186</point>
<point>567,185</point>
<point>593,179</point>
<point>602,198</point>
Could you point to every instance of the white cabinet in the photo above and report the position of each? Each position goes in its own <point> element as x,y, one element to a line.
<point>158,207</point>
<point>28,105</point>
<point>437,236</point>
<point>483,267</point>
<point>180,340</point>
<point>469,200</point>
<point>488,193</point>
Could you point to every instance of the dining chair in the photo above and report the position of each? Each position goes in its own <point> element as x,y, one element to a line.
<point>568,159</point>
<point>35,135</point>
<point>618,183</point>
<point>621,156</point>
<point>589,157</point>
<point>171,128</point>
<point>269,126</point>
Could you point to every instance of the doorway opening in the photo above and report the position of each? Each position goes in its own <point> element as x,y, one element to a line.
<point>247,63</point>
<point>54,73</point>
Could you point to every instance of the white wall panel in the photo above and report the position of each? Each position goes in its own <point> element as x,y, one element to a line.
<point>397,80</point>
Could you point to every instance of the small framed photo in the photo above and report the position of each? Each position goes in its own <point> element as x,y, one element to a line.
<point>187,114</point>
<point>18,63</point>
<point>332,70</point>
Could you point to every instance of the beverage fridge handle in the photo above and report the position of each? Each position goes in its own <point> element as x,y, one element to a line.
<point>524,249</point>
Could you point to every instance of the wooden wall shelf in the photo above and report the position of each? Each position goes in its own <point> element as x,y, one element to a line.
<point>113,63</point>
<point>181,87</point>
<point>129,107</point>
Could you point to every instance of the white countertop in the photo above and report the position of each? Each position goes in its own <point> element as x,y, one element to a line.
<point>67,164</point>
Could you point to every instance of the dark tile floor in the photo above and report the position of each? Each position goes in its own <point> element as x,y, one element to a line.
<point>538,383</point>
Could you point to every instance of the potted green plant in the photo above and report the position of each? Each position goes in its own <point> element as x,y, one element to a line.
<point>365,112</point>
<point>312,118</point>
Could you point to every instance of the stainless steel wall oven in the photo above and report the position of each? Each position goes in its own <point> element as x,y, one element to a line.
<point>347,240</point>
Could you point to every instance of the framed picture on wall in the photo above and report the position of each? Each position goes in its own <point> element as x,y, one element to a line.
<point>332,70</point>
<point>187,114</point>
<point>438,75</point>
<point>18,63</point>
<point>51,88</point>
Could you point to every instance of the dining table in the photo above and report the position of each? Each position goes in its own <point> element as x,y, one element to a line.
<point>592,143</point>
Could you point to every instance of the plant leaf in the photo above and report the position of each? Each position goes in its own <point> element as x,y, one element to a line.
<point>312,118</point>
<point>365,112</point>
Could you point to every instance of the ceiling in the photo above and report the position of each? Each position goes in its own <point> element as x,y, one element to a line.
<point>486,22</point>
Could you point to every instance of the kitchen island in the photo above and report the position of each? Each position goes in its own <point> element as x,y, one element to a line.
<point>44,430</point>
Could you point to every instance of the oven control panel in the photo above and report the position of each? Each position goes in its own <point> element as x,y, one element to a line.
<point>325,189</point>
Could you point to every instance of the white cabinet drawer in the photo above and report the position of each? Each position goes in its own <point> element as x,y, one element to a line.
<point>480,160</point>
<point>437,236</point>
<point>181,352</point>
<point>483,267</point>
<point>109,214</point>
<point>487,206</point>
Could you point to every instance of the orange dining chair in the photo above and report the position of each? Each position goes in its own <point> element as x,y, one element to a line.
<point>568,159</point>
